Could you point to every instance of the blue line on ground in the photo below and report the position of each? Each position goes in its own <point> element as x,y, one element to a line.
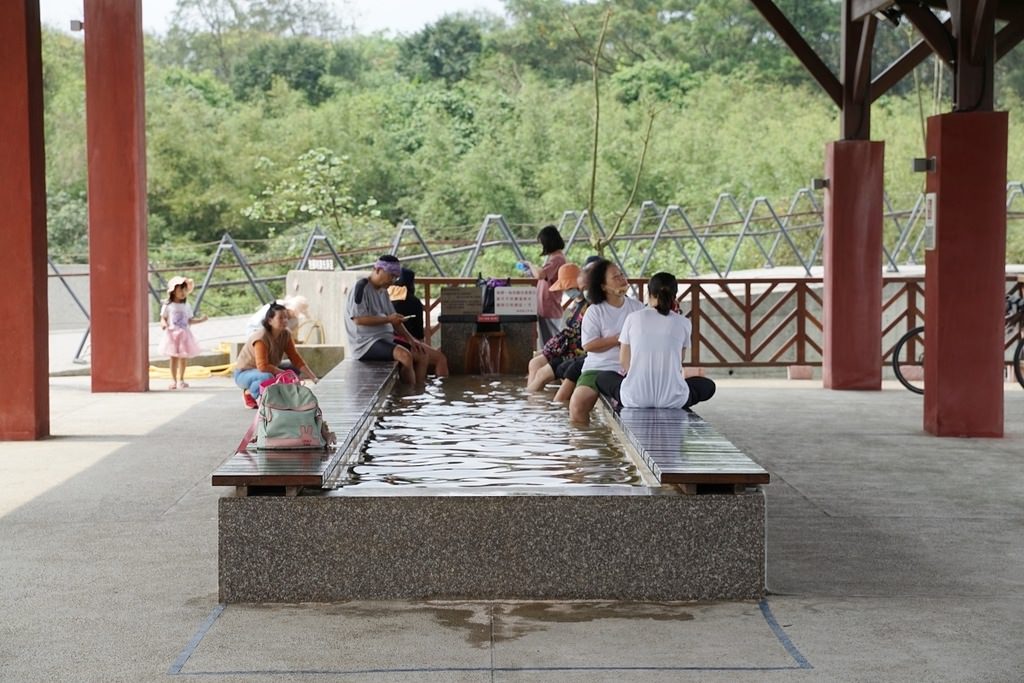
<point>480,669</point>
<point>337,672</point>
<point>783,636</point>
<point>644,668</point>
<point>179,663</point>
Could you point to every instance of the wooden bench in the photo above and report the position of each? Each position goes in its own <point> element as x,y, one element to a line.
<point>347,397</point>
<point>681,448</point>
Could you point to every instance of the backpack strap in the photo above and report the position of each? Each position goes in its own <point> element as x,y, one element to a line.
<point>243,445</point>
<point>360,287</point>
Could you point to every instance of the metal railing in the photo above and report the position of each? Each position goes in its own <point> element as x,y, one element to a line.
<point>709,248</point>
<point>757,322</point>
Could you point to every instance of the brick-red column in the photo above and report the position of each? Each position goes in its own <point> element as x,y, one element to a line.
<point>853,265</point>
<point>965,275</point>
<point>25,399</point>
<point>116,143</point>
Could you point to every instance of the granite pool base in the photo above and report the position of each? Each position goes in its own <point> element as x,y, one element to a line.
<point>662,546</point>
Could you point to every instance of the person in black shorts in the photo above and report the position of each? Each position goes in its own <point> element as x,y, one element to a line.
<point>562,355</point>
<point>403,297</point>
<point>372,323</point>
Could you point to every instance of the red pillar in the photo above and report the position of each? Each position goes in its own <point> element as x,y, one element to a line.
<point>116,143</point>
<point>853,265</point>
<point>25,400</point>
<point>965,275</point>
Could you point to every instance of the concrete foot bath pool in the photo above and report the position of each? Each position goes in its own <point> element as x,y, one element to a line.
<point>477,490</point>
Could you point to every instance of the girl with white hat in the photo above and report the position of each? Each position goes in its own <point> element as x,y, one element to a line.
<point>176,319</point>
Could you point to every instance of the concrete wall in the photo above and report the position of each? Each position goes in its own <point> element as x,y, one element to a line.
<point>666,546</point>
<point>327,291</point>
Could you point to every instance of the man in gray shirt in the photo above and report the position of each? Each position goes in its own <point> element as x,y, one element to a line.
<point>372,326</point>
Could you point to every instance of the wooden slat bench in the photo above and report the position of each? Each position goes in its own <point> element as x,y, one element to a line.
<point>681,448</point>
<point>347,396</point>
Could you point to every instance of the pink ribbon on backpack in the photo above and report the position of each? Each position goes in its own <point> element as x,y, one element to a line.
<point>286,377</point>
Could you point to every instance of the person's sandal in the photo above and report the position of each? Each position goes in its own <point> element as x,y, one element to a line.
<point>250,402</point>
<point>183,385</point>
<point>173,386</point>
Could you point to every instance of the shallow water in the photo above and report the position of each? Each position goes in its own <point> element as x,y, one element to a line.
<point>474,431</point>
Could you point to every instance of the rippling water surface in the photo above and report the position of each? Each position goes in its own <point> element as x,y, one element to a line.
<point>473,431</point>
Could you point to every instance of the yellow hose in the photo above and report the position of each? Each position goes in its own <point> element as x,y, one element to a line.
<point>194,371</point>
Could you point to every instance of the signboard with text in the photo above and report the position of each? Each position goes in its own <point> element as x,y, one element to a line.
<point>515,301</point>
<point>461,300</point>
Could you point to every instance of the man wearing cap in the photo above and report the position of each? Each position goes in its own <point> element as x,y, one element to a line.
<point>372,323</point>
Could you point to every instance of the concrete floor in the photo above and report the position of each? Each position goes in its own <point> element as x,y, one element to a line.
<point>892,556</point>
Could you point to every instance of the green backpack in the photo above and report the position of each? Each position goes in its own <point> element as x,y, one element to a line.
<point>289,417</point>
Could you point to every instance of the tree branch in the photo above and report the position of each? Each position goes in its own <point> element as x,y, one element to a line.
<point>597,109</point>
<point>652,113</point>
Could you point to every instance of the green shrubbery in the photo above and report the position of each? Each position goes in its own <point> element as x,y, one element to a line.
<point>277,119</point>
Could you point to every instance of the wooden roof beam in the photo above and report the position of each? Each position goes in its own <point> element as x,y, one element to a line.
<point>931,29</point>
<point>858,40</point>
<point>981,40</point>
<point>804,52</point>
<point>862,79</point>
<point>896,71</point>
<point>1009,36</point>
<point>862,8</point>
<point>973,87</point>
<point>1006,10</point>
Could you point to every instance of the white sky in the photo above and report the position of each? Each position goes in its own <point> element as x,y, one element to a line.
<point>395,16</point>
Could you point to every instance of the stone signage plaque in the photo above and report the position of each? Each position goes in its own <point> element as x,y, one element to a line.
<point>461,300</point>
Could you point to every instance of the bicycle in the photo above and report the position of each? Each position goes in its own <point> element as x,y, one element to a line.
<point>910,371</point>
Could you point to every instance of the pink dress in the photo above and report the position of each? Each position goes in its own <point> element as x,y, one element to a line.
<point>178,340</point>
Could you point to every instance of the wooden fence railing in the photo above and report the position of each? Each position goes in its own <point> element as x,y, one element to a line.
<point>759,322</point>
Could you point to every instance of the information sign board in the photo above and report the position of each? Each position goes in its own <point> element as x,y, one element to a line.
<point>461,300</point>
<point>515,300</point>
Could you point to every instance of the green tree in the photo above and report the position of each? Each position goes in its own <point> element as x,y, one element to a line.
<point>300,63</point>
<point>64,130</point>
<point>67,221</point>
<point>541,39</point>
<point>347,61</point>
<point>63,107</point>
<point>202,85</point>
<point>216,34</point>
<point>296,19</point>
<point>446,50</point>
<point>201,146</point>
<point>317,189</point>
<point>652,81</point>
<point>500,126</point>
<point>205,34</point>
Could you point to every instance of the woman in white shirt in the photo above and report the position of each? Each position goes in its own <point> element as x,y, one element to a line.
<point>652,347</point>
<point>599,333</point>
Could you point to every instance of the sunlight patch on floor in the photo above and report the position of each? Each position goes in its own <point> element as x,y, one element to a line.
<point>79,423</point>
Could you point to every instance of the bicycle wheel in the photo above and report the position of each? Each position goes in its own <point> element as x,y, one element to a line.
<point>908,360</point>
<point>1018,362</point>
